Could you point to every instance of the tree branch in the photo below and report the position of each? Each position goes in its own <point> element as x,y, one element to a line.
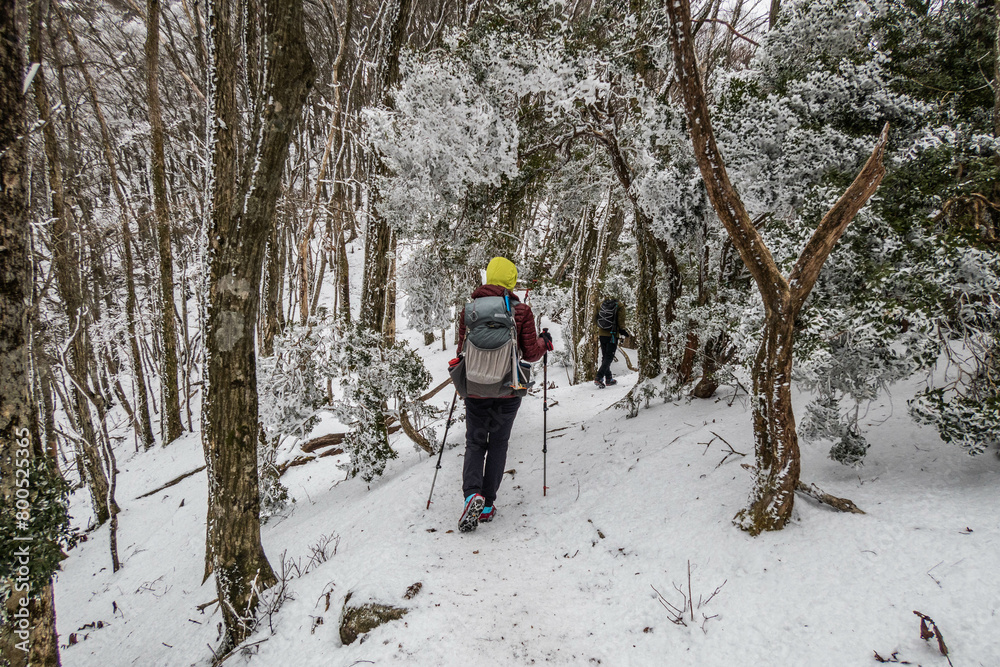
<point>732,30</point>
<point>814,254</point>
<point>721,192</point>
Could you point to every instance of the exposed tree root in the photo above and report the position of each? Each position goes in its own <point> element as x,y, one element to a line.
<point>817,494</point>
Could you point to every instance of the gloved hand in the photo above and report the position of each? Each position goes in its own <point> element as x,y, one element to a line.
<point>454,362</point>
<point>625,333</point>
<point>546,338</point>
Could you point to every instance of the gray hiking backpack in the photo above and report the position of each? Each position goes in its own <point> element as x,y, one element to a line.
<point>491,360</point>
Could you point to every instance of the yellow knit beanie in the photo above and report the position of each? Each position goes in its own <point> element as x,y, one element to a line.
<point>501,271</point>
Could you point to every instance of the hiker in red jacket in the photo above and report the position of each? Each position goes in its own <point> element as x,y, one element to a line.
<point>489,419</point>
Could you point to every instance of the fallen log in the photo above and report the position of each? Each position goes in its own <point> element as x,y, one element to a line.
<point>175,480</point>
<point>328,440</point>
<point>331,439</point>
<point>302,460</point>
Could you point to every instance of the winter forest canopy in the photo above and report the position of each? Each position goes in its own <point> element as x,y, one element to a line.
<point>227,215</point>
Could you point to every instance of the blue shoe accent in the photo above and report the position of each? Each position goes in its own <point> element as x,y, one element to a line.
<point>470,516</point>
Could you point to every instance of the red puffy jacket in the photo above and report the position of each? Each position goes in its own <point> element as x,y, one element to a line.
<point>532,347</point>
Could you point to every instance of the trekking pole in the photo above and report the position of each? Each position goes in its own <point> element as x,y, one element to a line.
<point>545,413</point>
<point>441,453</point>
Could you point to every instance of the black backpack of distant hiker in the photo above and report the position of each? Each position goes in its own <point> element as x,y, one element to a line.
<point>607,315</point>
<point>490,355</point>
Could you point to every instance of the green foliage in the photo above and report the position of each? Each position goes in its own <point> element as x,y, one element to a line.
<point>944,55</point>
<point>46,534</point>
<point>967,414</point>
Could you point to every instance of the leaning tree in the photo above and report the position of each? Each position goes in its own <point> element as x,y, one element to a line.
<point>775,440</point>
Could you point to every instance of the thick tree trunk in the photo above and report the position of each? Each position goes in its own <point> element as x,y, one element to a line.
<point>241,222</point>
<point>376,271</point>
<point>775,441</point>
<point>776,444</point>
<point>68,281</point>
<point>33,643</point>
<point>168,329</point>
<point>647,326</point>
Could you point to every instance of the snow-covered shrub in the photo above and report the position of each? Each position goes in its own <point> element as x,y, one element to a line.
<point>374,381</point>
<point>443,136</point>
<point>371,375</point>
<point>426,280</point>
<point>966,409</point>
<point>289,390</point>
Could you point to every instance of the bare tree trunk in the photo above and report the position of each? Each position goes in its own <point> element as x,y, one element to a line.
<point>168,329</point>
<point>32,642</point>
<point>318,284</point>
<point>376,271</point>
<point>647,319</point>
<point>378,236</point>
<point>389,319</point>
<point>591,253</point>
<point>48,406</point>
<point>68,281</point>
<point>776,443</point>
<point>647,327</point>
<point>144,425</point>
<point>272,293</point>
<point>343,297</point>
<point>583,334</point>
<point>241,222</point>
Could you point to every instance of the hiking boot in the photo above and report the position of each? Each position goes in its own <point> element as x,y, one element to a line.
<point>611,381</point>
<point>488,514</point>
<point>599,384</point>
<point>470,517</point>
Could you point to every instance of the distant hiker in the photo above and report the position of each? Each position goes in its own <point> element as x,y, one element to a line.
<point>610,320</point>
<point>496,339</point>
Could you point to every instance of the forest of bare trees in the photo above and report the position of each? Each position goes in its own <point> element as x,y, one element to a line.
<point>192,187</point>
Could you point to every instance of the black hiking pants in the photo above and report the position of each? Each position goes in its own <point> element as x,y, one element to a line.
<point>609,345</point>
<point>488,422</point>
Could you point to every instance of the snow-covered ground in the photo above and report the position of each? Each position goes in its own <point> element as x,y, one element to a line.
<point>569,577</point>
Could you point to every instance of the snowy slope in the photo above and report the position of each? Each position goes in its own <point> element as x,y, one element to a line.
<point>568,578</point>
